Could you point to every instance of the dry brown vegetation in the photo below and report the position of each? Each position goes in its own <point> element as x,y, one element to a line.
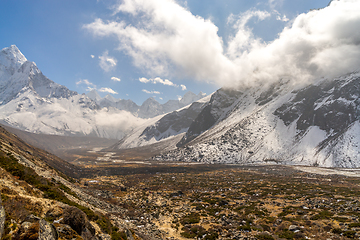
<point>268,202</point>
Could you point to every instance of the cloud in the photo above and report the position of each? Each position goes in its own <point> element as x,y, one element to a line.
<point>280,17</point>
<point>169,39</point>
<point>158,80</point>
<point>168,35</point>
<point>150,92</point>
<point>144,80</point>
<point>107,90</point>
<point>107,63</point>
<point>115,79</point>
<point>283,18</point>
<point>92,56</point>
<point>244,38</point>
<point>86,82</point>
<point>274,3</point>
<point>90,85</point>
<point>121,120</point>
<point>183,87</point>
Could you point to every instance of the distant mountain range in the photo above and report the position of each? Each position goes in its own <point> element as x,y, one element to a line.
<point>32,102</point>
<point>149,109</point>
<point>279,123</point>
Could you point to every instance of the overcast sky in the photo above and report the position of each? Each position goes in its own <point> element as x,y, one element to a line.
<point>135,49</point>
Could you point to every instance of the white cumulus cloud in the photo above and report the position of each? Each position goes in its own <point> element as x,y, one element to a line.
<point>168,38</point>
<point>158,80</point>
<point>115,79</point>
<point>144,80</point>
<point>107,90</point>
<point>183,87</point>
<point>92,86</point>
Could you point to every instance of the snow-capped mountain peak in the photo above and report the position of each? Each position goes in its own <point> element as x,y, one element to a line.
<point>11,59</point>
<point>188,98</point>
<point>18,75</point>
<point>94,95</point>
<point>31,101</point>
<point>11,56</point>
<point>111,98</point>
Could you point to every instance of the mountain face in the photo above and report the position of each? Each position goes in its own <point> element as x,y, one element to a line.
<point>317,125</point>
<point>214,111</point>
<point>19,75</point>
<point>32,102</point>
<point>163,127</point>
<point>150,108</point>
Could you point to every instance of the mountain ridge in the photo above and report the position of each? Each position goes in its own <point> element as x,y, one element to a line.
<point>314,125</point>
<point>30,101</point>
<point>149,108</point>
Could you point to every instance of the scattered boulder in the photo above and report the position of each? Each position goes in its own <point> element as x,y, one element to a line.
<point>104,236</point>
<point>129,234</point>
<point>66,232</point>
<point>47,231</point>
<point>78,221</point>
<point>293,228</point>
<point>2,218</point>
<point>54,213</point>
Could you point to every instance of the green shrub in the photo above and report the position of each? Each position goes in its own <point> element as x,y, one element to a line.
<point>191,219</point>
<point>118,236</point>
<point>105,224</point>
<point>349,234</point>
<point>322,215</point>
<point>287,234</point>
<point>357,224</point>
<point>337,231</point>
<point>264,236</point>
<point>194,231</point>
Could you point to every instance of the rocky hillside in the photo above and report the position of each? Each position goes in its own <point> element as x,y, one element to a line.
<point>40,202</point>
<point>166,127</point>
<point>280,123</point>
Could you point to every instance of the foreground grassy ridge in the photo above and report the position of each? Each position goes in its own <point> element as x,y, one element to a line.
<point>51,189</point>
<point>228,204</point>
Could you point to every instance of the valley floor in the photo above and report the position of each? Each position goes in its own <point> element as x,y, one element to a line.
<point>233,202</point>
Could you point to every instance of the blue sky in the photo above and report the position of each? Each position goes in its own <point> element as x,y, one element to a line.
<point>129,48</point>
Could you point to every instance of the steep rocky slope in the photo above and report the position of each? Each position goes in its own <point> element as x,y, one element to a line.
<point>315,125</point>
<point>40,202</point>
<point>165,127</point>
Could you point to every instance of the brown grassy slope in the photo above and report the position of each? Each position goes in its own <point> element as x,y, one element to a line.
<point>22,148</point>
